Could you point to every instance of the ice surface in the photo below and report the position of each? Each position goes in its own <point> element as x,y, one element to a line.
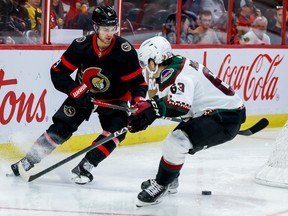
<point>226,170</point>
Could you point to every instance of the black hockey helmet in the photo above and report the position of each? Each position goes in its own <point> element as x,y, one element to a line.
<point>105,16</point>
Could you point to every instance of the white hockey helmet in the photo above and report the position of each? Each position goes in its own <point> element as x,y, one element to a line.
<point>156,48</point>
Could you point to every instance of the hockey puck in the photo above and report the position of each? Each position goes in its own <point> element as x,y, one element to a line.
<point>206,192</point>
<point>9,174</point>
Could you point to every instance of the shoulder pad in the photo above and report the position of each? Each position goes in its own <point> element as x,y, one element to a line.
<point>80,39</point>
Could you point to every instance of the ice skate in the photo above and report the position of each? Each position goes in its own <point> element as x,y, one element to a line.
<point>27,165</point>
<point>151,195</point>
<point>172,187</point>
<point>81,173</point>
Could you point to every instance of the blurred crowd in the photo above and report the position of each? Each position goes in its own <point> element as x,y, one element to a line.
<point>202,21</point>
<point>206,21</point>
<point>21,20</point>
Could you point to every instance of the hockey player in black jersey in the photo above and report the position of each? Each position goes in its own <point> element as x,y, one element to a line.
<point>107,70</point>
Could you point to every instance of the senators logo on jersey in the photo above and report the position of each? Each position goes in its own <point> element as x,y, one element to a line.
<point>126,47</point>
<point>95,81</point>
<point>69,111</point>
<point>81,39</point>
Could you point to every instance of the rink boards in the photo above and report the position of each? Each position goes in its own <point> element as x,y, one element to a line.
<point>28,99</point>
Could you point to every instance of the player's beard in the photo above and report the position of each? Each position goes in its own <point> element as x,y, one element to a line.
<point>106,40</point>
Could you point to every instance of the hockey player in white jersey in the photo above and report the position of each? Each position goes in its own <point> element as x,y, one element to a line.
<point>186,89</point>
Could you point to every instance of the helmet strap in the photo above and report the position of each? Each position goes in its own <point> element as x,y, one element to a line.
<point>152,72</point>
<point>96,28</point>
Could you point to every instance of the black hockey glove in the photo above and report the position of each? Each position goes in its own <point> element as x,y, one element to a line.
<point>147,112</point>
<point>82,97</point>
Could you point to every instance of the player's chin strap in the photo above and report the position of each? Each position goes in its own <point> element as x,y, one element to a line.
<point>260,125</point>
<point>151,73</point>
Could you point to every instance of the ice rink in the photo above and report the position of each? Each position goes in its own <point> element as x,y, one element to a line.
<point>226,170</point>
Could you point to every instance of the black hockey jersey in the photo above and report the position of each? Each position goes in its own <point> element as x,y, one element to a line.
<point>112,74</point>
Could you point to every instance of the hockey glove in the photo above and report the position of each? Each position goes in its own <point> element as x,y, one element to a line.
<point>147,112</point>
<point>82,97</point>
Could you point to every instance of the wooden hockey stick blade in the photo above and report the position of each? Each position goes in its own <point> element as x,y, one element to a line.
<point>25,175</point>
<point>260,125</point>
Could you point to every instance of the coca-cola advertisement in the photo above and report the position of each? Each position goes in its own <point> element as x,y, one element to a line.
<point>258,75</point>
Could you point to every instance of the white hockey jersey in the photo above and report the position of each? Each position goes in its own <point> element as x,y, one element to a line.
<point>189,89</point>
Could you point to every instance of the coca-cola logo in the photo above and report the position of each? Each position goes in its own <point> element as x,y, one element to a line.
<point>258,80</point>
<point>22,107</point>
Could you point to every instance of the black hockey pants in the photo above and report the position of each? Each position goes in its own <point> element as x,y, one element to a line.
<point>68,118</point>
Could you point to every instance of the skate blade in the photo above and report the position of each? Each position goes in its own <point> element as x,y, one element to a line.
<point>25,175</point>
<point>143,204</point>
<point>172,191</point>
<point>81,180</point>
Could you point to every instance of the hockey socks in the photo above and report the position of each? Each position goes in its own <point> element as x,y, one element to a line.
<point>167,172</point>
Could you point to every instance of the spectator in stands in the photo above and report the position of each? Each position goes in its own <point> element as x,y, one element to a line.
<point>78,16</point>
<point>257,33</point>
<point>71,16</point>
<point>216,7</point>
<point>14,22</point>
<point>169,29</point>
<point>245,15</point>
<point>204,34</point>
<point>221,28</point>
<point>84,20</point>
<point>270,14</point>
<point>20,17</point>
<point>5,10</point>
<point>150,9</point>
<point>35,14</point>
<point>58,13</point>
<point>275,32</point>
<point>191,5</point>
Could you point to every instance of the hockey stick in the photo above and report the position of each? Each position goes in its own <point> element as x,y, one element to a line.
<point>113,106</point>
<point>260,125</point>
<point>30,178</point>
